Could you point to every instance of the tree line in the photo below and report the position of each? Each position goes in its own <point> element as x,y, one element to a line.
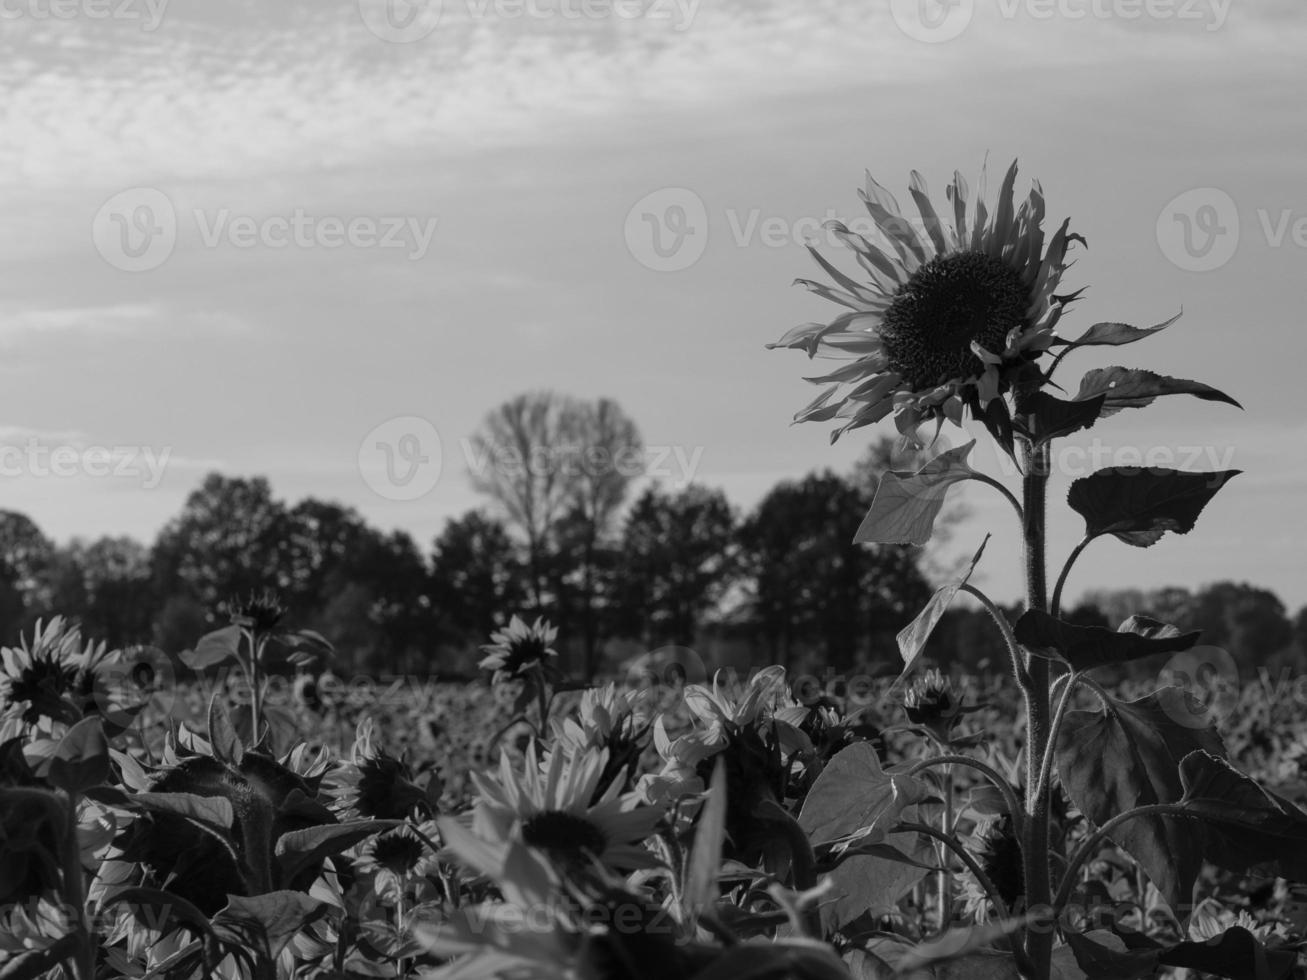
<point>562,534</point>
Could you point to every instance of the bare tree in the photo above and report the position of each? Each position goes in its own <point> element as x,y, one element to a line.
<point>552,461</point>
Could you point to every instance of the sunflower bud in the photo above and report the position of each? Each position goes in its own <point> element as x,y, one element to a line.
<point>932,703</point>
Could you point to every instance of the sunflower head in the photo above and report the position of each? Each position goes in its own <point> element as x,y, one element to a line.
<point>932,702</point>
<point>397,857</point>
<point>951,316</point>
<point>260,612</point>
<point>520,649</point>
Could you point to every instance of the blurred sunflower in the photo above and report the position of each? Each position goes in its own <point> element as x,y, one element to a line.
<point>552,808</point>
<point>260,612</point>
<point>520,649</point>
<point>375,784</point>
<point>952,316</point>
<point>54,678</point>
<point>397,857</point>
<point>611,719</point>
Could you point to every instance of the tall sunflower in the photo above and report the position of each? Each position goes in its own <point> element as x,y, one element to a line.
<point>952,316</point>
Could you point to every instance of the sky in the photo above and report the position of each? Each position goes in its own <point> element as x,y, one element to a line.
<point>318,240</point>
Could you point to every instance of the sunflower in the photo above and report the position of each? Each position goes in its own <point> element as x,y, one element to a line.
<point>260,612</point>
<point>612,719</point>
<point>398,857</point>
<point>551,807</point>
<point>375,784</point>
<point>951,316</point>
<point>519,649</point>
<point>52,678</point>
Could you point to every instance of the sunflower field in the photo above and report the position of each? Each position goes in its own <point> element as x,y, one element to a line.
<point>198,817</point>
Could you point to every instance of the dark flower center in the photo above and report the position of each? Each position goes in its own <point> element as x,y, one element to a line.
<point>43,684</point>
<point>949,302</point>
<point>523,654</point>
<point>399,853</point>
<point>563,833</point>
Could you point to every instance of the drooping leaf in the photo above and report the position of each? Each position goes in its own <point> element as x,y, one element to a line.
<point>1102,956</point>
<point>301,849</point>
<point>1129,756</point>
<point>853,793</point>
<point>1247,828</point>
<point>958,943</point>
<point>266,922</point>
<point>1134,388</point>
<point>1116,334</point>
<point>214,648</point>
<point>1088,647</point>
<point>1051,417</point>
<point>706,855</point>
<point>869,885</point>
<point>913,637</point>
<point>215,811</point>
<point>81,759</point>
<point>906,504</point>
<point>1138,505</point>
<point>227,746</point>
<point>1235,953</point>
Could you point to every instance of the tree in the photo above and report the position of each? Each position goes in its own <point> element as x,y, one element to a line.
<point>676,561</point>
<point>117,600</point>
<point>226,541</point>
<point>814,589</point>
<point>26,559</point>
<point>552,462</point>
<point>477,579</point>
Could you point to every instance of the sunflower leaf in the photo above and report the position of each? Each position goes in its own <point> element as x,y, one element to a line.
<point>1088,647</point>
<point>706,855</point>
<point>81,759</point>
<point>854,795</point>
<point>301,849</point>
<point>1135,388</point>
<point>1050,417</point>
<point>39,962</point>
<point>1138,505</point>
<point>1235,953</point>
<point>1115,334</point>
<point>214,648</point>
<point>913,637</point>
<point>906,505</point>
<point>1127,756</point>
<point>265,923</point>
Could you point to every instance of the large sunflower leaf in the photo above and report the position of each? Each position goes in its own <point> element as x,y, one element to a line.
<point>1129,756</point>
<point>1088,647</point>
<point>1135,388</point>
<point>906,504</point>
<point>913,637</point>
<point>1139,505</point>
<point>1248,828</point>
<point>706,855</point>
<point>871,885</point>
<point>853,794</point>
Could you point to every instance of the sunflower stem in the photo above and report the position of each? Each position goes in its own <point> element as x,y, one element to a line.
<point>1035,459</point>
<point>75,896</point>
